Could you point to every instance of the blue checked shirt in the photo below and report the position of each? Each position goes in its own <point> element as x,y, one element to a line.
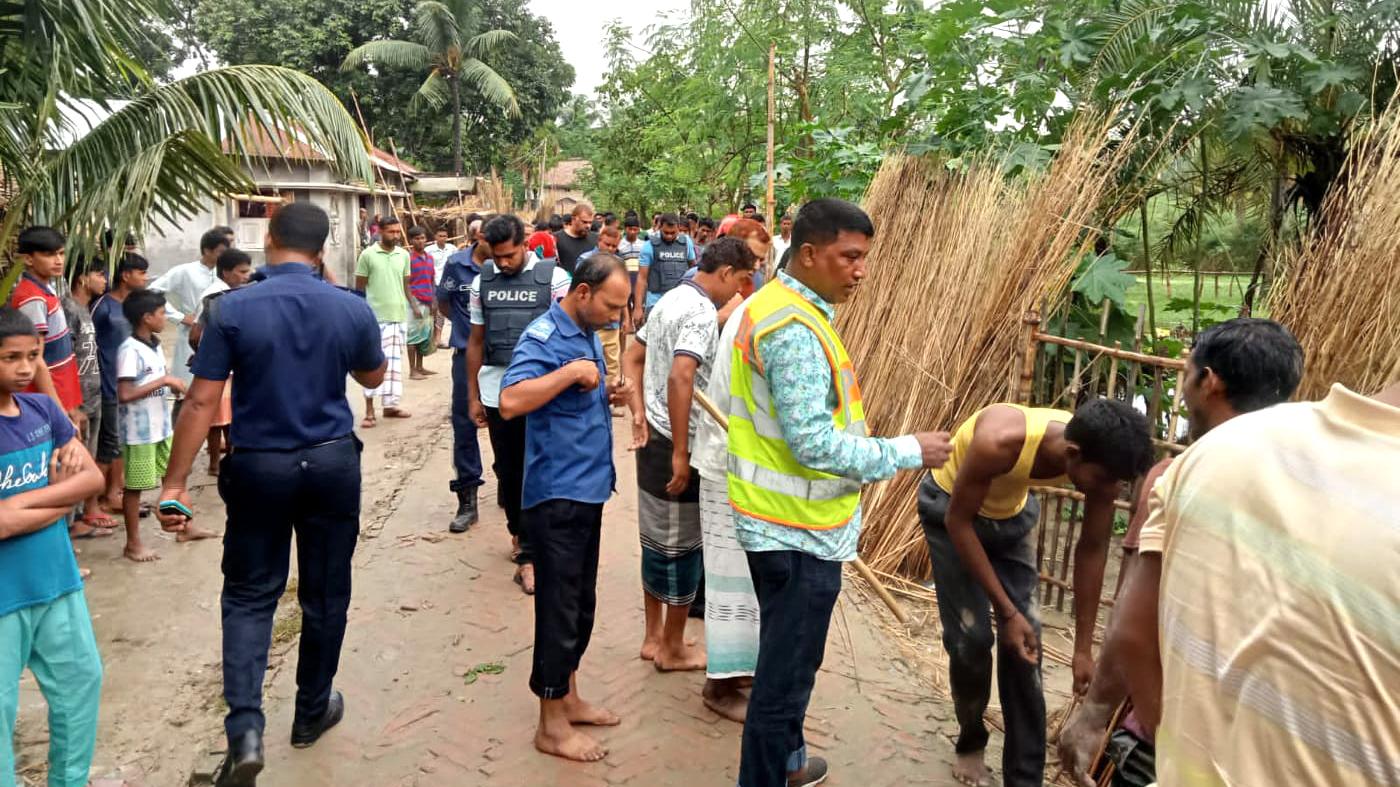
<point>804,396</point>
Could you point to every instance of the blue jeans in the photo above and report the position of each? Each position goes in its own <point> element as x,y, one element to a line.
<point>55,641</point>
<point>313,492</point>
<point>796,594</point>
<point>965,612</point>
<point>466,451</point>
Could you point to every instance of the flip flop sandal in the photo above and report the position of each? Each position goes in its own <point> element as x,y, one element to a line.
<point>100,521</point>
<point>91,532</point>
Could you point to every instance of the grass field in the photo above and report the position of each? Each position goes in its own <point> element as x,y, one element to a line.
<point>1214,306</point>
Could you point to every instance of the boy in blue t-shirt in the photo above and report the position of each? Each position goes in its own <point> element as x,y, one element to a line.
<point>44,621</point>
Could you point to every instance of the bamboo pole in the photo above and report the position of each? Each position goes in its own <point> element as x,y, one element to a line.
<point>403,182</point>
<point>1028,351</point>
<point>770,200</point>
<point>1126,355</point>
<point>883,592</point>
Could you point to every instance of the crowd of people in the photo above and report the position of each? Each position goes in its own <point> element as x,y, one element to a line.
<point>1251,642</point>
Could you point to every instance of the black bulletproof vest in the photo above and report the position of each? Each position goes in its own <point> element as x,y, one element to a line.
<point>509,304</point>
<point>668,264</point>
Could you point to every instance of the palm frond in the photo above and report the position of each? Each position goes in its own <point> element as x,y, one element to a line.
<point>433,93</point>
<point>435,26</point>
<point>179,144</point>
<point>394,54</point>
<point>484,43</point>
<point>492,86</point>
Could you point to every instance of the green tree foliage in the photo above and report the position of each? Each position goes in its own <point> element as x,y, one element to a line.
<point>159,156</point>
<point>685,119</point>
<point>315,36</point>
<point>447,42</point>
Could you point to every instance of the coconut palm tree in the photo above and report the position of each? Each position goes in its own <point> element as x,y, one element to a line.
<point>450,48</point>
<point>72,157</point>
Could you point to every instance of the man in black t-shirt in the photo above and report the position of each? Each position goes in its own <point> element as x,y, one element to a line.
<point>576,237</point>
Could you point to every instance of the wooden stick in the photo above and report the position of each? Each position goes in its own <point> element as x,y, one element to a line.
<point>1077,344</point>
<point>866,573</point>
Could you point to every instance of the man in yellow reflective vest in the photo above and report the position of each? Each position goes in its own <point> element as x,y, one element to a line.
<point>798,454</point>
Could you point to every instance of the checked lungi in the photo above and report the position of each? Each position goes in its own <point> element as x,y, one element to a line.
<point>393,340</point>
<point>670,527</point>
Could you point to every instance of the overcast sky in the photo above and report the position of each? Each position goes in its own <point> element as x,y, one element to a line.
<point>579,29</point>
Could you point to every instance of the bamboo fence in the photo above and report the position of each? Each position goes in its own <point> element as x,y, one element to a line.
<point>1338,293</point>
<point>958,258</point>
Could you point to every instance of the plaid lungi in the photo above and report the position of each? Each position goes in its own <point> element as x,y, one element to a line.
<point>392,339</point>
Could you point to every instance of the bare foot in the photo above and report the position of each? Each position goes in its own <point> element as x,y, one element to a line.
<point>426,370</point>
<point>971,769</point>
<point>650,647</point>
<point>396,412</point>
<point>138,553</point>
<point>581,712</point>
<point>724,698</point>
<point>192,533</point>
<point>686,658</point>
<point>573,745</point>
<point>416,376</point>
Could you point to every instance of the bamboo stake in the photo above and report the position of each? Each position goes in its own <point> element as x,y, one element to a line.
<point>403,183</point>
<point>770,200</point>
<point>710,409</point>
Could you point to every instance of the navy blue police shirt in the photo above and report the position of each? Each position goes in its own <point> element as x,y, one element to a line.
<point>289,342</point>
<point>568,442</point>
<point>454,289</point>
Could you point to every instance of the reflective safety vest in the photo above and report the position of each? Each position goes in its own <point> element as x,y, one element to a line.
<point>765,480</point>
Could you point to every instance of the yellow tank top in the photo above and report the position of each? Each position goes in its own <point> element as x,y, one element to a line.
<point>1008,492</point>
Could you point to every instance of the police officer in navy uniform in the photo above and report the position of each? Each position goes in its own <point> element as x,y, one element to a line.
<point>457,275</point>
<point>557,384</point>
<point>665,259</point>
<point>513,289</point>
<point>295,468</point>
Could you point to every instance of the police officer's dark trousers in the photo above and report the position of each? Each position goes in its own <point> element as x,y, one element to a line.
<point>566,535</point>
<point>314,493</point>
<point>466,451</point>
<point>508,446</point>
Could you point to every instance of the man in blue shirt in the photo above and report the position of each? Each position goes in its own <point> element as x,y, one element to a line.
<point>290,341</point>
<point>556,381</point>
<point>454,298</point>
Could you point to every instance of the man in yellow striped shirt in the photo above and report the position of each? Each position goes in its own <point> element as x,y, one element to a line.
<point>1273,655</point>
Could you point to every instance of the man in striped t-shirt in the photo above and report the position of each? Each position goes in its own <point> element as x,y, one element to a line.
<point>1271,656</point>
<point>41,250</point>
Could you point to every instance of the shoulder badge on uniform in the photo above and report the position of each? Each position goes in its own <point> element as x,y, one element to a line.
<point>542,328</point>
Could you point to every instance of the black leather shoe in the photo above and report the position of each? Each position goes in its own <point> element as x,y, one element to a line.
<point>467,514</point>
<point>243,762</point>
<point>306,733</point>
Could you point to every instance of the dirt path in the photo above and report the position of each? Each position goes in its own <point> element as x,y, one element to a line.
<point>428,610</point>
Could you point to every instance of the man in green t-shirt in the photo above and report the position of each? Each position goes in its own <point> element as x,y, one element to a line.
<point>381,274</point>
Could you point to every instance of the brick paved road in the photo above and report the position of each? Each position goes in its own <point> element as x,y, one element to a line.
<point>426,611</point>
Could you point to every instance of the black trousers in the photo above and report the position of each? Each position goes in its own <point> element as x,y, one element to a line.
<point>965,611</point>
<point>313,493</point>
<point>796,594</point>
<point>466,451</point>
<point>566,536</point>
<point>508,447</point>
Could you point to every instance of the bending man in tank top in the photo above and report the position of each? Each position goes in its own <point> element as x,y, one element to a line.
<point>979,518</point>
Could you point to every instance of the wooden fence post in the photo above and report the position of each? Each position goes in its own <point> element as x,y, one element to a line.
<point>1028,353</point>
